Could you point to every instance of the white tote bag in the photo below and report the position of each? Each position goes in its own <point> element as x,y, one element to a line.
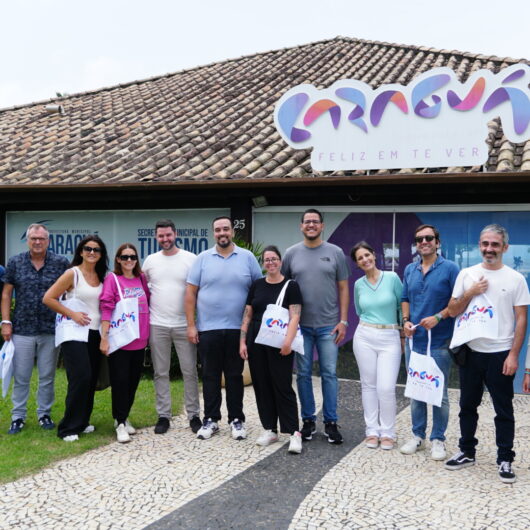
<point>274,322</point>
<point>480,320</point>
<point>6,362</point>
<point>124,321</point>
<point>65,328</point>
<point>425,381</point>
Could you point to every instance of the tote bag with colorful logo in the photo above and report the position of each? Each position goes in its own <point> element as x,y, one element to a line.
<point>274,323</point>
<point>425,380</point>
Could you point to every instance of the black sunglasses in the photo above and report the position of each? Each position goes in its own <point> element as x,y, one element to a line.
<point>419,239</point>
<point>127,257</point>
<point>88,249</point>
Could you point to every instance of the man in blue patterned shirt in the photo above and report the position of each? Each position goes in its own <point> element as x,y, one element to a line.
<point>30,274</point>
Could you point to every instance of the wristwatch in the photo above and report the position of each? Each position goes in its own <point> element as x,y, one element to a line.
<point>438,316</point>
<point>6,322</point>
<point>344,322</point>
<point>403,320</point>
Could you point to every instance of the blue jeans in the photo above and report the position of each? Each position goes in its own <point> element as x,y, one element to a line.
<point>327,358</point>
<point>418,409</point>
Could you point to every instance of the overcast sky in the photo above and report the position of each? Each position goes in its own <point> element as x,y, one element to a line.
<point>50,46</point>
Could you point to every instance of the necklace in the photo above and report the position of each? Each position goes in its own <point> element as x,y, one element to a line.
<point>377,283</point>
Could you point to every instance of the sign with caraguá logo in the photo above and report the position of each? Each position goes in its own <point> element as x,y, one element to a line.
<point>435,121</point>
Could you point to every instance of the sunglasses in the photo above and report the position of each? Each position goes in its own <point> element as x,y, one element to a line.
<point>88,249</point>
<point>127,257</point>
<point>420,239</point>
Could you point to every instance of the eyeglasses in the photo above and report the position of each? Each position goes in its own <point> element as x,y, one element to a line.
<point>420,239</point>
<point>127,257</point>
<point>88,249</point>
<point>311,222</point>
<point>271,260</point>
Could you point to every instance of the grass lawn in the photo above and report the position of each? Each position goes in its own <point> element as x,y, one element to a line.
<point>34,448</point>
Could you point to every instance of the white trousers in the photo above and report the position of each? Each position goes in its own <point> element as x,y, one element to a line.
<point>378,355</point>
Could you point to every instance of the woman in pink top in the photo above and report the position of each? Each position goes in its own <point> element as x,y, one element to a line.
<point>125,364</point>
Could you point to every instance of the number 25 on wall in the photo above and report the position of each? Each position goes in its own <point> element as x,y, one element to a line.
<point>239,224</point>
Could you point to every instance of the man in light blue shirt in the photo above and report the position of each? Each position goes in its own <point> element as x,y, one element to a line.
<point>217,288</point>
<point>427,289</point>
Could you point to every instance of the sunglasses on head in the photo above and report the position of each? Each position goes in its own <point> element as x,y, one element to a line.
<point>420,239</point>
<point>88,249</point>
<point>127,257</point>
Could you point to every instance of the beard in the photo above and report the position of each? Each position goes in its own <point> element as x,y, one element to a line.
<point>225,243</point>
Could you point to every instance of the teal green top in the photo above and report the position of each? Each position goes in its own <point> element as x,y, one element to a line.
<point>379,303</point>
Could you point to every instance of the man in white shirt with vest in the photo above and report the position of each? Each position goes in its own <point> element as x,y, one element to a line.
<point>491,361</point>
<point>166,273</point>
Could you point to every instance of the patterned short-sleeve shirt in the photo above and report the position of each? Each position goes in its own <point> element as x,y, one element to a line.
<point>31,316</point>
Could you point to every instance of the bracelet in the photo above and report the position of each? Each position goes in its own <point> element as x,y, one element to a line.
<point>403,320</point>
<point>7,322</point>
<point>527,371</point>
<point>438,316</point>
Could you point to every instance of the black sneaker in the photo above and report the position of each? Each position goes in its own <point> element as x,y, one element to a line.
<point>308,429</point>
<point>162,425</point>
<point>195,424</point>
<point>460,461</point>
<point>332,432</point>
<point>506,473</point>
<point>16,426</point>
<point>46,422</point>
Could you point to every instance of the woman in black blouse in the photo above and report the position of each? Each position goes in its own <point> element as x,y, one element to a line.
<point>272,368</point>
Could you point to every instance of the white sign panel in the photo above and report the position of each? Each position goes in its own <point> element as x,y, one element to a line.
<point>194,229</point>
<point>435,121</point>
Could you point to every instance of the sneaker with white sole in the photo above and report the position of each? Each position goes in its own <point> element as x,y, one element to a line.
<point>238,429</point>
<point>267,437</point>
<point>438,450</point>
<point>128,427</point>
<point>506,473</point>
<point>412,445</point>
<point>459,461</point>
<point>71,438</point>
<point>89,429</point>
<point>295,443</point>
<point>121,434</point>
<point>208,429</point>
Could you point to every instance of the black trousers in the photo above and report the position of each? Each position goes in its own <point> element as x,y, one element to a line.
<point>486,369</point>
<point>125,370</point>
<point>219,353</point>
<point>272,377</point>
<point>81,360</point>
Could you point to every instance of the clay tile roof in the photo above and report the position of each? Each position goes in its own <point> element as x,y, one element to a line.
<point>215,122</point>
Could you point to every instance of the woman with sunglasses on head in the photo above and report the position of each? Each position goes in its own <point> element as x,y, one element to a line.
<point>125,364</point>
<point>272,368</point>
<point>377,345</point>
<point>84,280</point>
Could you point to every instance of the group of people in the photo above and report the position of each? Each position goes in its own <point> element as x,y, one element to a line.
<point>213,305</point>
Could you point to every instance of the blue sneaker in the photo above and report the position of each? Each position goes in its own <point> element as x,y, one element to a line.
<point>16,426</point>
<point>46,423</point>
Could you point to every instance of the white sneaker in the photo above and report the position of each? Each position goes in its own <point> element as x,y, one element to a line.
<point>412,445</point>
<point>238,429</point>
<point>267,437</point>
<point>89,429</point>
<point>128,427</point>
<point>208,429</point>
<point>71,438</point>
<point>438,450</point>
<point>122,434</point>
<point>295,443</point>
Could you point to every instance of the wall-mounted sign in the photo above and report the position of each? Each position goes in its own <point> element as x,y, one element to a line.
<point>435,121</point>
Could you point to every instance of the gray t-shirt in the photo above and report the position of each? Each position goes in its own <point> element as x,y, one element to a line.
<point>317,271</point>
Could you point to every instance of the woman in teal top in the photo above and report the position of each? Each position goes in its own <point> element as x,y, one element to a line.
<point>377,346</point>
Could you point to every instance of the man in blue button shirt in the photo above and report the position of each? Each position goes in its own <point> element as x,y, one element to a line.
<point>217,287</point>
<point>31,274</point>
<point>427,289</point>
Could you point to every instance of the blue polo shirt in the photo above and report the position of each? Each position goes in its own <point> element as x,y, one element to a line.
<point>223,287</point>
<point>427,295</point>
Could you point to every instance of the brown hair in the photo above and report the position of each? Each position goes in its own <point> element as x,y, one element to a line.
<point>117,265</point>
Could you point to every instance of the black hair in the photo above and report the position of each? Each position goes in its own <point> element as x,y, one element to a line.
<point>271,248</point>
<point>359,245</point>
<point>165,223</point>
<point>313,210</point>
<point>102,265</point>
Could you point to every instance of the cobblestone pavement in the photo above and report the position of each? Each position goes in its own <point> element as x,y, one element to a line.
<point>176,481</point>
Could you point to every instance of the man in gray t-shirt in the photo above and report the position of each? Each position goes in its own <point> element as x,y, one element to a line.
<point>321,271</point>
